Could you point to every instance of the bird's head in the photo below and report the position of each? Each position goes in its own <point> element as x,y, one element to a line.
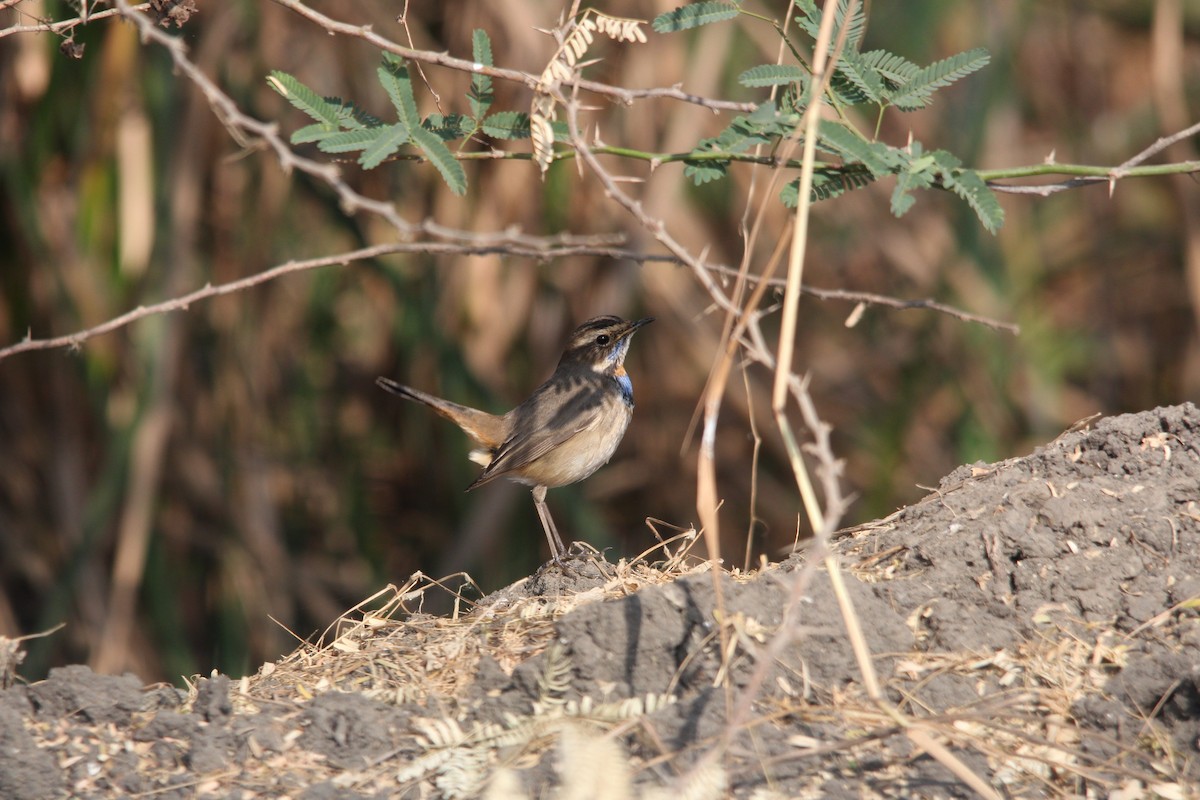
<point>601,343</point>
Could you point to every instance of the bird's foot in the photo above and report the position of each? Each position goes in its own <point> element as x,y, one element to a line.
<point>579,560</point>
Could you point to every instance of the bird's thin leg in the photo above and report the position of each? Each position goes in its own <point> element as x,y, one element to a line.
<point>552,537</point>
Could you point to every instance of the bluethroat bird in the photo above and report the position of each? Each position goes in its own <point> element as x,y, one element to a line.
<point>566,430</point>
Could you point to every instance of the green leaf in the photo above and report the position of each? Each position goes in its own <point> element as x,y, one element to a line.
<point>694,15</point>
<point>916,92</point>
<point>810,17</point>
<point>765,113</point>
<point>773,75</point>
<point>448,127</point>
<point>894,70</point>
<point>810,21</point>
<point>970,187</point>
<point>834,181</point>
<point>313,133</point>
<point>737,138</point>
<point>793,99</point>
<point>386,142</point>
<point>906,182</point>
<point>480,97</point>
<point>789,195</point>
<point>351,117</point>
<point>902,200</point>
<point>440,156</point>
<point>701,172</point>
<point>916,172</point>
<point>349,141</point>
<point>393,75</point>
<point>759,127</point>
<point>304,98</point>
<point>921,164</point>
<point>875,156</point>
<point>828,183</point>
<point>946,168</point>
<point>507,125</point>
<point>855,81</point>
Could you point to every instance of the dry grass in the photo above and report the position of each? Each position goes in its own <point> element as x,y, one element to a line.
<point>387,644</point>
<point>394,654</point>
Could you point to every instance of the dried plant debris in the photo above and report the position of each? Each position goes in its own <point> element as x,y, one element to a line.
<point>1037,618</point>
<point>173,12</point>
<point>575,38</point>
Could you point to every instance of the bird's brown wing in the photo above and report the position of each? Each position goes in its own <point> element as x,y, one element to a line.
<point>558,411</point>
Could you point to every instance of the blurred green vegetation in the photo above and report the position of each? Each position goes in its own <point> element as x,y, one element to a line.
<point>284,487</point>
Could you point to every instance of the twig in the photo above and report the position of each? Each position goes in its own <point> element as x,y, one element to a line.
<point>1088,175</point>
<point>866,298</point>
<point>1162,144</point>
<point>541,249</point>
<point>75,340</point>
<point>654,226</point>
<point>66,24</point>
<point>870,298</point>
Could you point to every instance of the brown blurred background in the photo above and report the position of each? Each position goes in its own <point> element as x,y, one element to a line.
<point>171,489</point>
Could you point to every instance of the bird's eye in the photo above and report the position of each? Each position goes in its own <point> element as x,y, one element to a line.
<point>602,339</point>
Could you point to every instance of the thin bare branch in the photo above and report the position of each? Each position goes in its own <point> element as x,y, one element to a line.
<point>66,25</point>
<point>1162,144</point>
<point>571,247</point>
<point>654,226</point>
<point>1099,175</point>
<point>851,296</point>
<point>1087,175</point>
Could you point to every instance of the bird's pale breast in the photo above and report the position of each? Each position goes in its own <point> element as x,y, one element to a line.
<point>583,453</point>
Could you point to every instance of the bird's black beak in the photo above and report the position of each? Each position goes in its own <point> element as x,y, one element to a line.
<point>633,326</point>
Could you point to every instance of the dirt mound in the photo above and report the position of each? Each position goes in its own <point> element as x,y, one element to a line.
<point>1032,622</point>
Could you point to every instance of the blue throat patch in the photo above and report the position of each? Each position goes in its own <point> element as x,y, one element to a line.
<point>626,388</point>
